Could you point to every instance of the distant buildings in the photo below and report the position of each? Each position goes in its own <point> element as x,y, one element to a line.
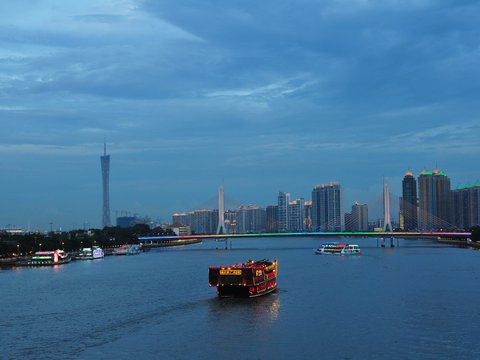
<point>408,203</point>
<point>327,209</point>
<point>296,215</point>
<point>308,216</point>
<point>230,222</point>
<point>434,200</point>
<point>246,219</point>
<point>438,207</point>
<point>251,220</point>
<point>290,214</point>
<point>204,221</point>
<point>427,204</point>
<point>466,205</point>
<point>130,221</point>
<point>357,220</point>
<point>283,219</point>
<point>271,224</point>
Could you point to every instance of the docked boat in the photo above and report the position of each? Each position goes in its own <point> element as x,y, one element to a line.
<point>127,250</point>
<point>249,279</point>
<point>91,253</point>
<point>46,258</point>
<point>334,248</point>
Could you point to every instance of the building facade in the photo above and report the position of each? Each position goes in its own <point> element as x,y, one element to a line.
<point>282,203</point>
<point>433,200</point>
<point>327,209</point>
<point>296,215</point>
<point>271,218</point>
<point>357,220</point>
<point>203,221</point>
<point>308,216</point>
<point>251,220</point>
<point>466,206</point>
<point>408,203</point>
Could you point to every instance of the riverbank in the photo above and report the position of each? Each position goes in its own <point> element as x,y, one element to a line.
<point>168,243</point>
<point>467,243</point>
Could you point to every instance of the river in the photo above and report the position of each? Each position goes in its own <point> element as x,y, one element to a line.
<point>416,301</point>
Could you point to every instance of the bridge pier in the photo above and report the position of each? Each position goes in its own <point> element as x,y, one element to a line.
<point>225,240</point>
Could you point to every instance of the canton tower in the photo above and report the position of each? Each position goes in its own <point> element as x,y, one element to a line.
<point>105,162</point>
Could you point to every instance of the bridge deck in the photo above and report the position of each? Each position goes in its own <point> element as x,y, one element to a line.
<point>442,235</point>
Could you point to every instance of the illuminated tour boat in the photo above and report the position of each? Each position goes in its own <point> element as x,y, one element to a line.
<point>334,248</point>
<point>90,253</point>
<point>249,279</point>
<point>47,258</point>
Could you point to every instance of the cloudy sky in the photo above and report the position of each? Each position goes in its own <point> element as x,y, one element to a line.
<point>266,96</point>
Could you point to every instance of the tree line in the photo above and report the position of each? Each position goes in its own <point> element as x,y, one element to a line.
<point>28,243</point>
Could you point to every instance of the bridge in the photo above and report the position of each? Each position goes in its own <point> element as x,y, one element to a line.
<point>461,236</point>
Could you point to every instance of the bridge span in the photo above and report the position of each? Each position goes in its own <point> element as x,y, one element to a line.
<point>366,234</point>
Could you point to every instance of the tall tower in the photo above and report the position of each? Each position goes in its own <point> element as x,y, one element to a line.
<point>105,162</point>
<point>386,208</point>
<point>221,212</point>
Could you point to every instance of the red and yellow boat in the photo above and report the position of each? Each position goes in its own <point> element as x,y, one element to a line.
<point>249,279</point>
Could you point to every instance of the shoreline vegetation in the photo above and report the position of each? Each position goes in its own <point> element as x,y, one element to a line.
<point>25,244</point>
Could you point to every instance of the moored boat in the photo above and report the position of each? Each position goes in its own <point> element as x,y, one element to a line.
<point>334,248</point>
<point>46,258</point>
<point>91,253</point>
<point>127,250</point>
<point>249,279</point>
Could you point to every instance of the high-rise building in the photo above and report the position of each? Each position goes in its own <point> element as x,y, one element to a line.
<point>408,203</point>
<point>308,216</point>
<point>283,201</point>
<point>272,219</point>
<point>348,222</point>
<point>231,221</point>
<point>105,163</point>
<point>203,221</point>
<point>466,206</point>
<point>359,217</point>
<point>296,215</point>
<point>182,218</point>
<point>327,213</point>
<point>251,219</point>
<point>433,200</point>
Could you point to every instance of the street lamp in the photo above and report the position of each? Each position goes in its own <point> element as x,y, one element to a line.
<point>40,246</point>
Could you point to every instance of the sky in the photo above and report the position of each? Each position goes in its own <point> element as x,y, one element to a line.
<point>264,96</point>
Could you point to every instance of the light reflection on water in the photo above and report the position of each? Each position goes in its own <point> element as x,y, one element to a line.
<point>263,309</point>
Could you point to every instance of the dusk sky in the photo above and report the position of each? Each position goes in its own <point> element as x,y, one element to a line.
<point>265,96</point>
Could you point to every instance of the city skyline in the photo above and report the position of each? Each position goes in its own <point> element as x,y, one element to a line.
<point>268,98</point>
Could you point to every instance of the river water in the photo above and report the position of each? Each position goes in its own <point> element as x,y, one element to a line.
<point>416,301</point>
